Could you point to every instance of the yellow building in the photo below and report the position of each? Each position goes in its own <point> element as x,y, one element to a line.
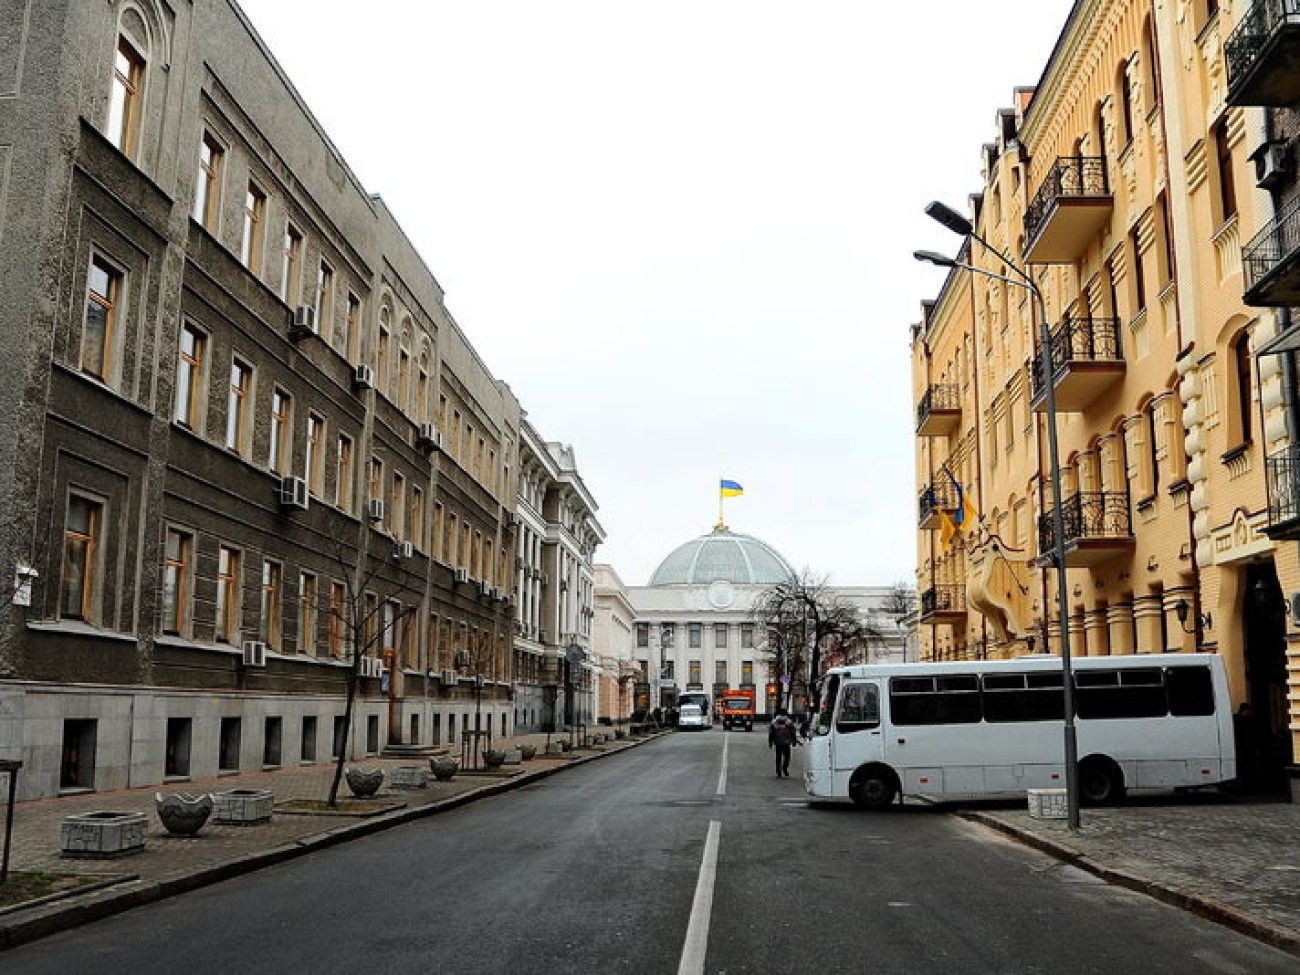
<point>1126,186</point>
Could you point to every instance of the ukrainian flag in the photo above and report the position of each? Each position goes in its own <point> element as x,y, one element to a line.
<point>729,489</point>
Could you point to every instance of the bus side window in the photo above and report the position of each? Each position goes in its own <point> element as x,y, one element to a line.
<point>1191,691</point>
<point>827,707</point>
<point>859,708</point>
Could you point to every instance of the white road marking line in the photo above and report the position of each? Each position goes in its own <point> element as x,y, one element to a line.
<point>697,932</point>
<point>722,776</point>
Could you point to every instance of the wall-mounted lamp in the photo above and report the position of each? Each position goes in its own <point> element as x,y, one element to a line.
<point>1182,610</point>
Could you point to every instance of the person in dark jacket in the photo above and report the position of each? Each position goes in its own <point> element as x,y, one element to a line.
<point>783,736</point>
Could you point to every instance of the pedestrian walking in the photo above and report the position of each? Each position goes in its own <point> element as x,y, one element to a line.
<point>782,736</point>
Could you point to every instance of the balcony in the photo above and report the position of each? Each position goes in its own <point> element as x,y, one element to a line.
<point>943,604</point>
<point>1271,261</point>
<point>935,498</point>
<point>1262,55</point>
<point>1282,474</point>
<point>1098,527</point>
<point>1087,358</point>
<point>939,411</point>
<point>1068,211</point>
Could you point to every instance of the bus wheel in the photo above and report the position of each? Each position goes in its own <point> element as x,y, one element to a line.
<point>1101,782</point>
<point>872,789</point>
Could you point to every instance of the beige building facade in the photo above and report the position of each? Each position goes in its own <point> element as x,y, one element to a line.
<point>1142,186</point>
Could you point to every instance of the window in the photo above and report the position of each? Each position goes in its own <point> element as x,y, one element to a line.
<point>375,487</point>
<point>695,635</point>
<point>241,386</point>
<point>343,474</point>
<point>227,607</point>
<point>189,376</point>
<point>1120,693</point>
<point>126,98</point>
<point>1226,198</point>
<point>643,634</point>
<point>1240,425</point>
<point>747,673</point>
<point>381,354</point>
<point>953,699</point>
<point>268,627</point>
<point>207,188</point>
<point>720,673</point>
<point>228,745</point>
<point>338,618</point>
<point>1152,430</point>
<point>415,527</point>
<point>281,417</point>
<point>720,635</point>
<point>315,440</point>
<point>103,289</point>
<point>176,761</point>
<point>307,613</point>
<point>859,708</point>
<point>77,770</point>
<point>250,245</point>
<point>1023,697</point>
<point>272,733</point>
<point>398,507</point>
<point>350,328</point>
<point>1139,275</point>
<point>403,398</point>
<point>81,548</point>
<point>324,298</point>
<point>746,636</point>
<point>307,751</point>
<point>290,265</point>
<point>177,560</point>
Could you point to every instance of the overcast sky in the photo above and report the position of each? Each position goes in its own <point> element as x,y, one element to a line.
<point>682,231</point>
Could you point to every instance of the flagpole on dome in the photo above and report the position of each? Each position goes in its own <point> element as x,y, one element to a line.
<point>726,489</point>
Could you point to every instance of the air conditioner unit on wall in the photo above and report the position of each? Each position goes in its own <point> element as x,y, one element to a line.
<point>304,323</point>
<point>428,437</point>
<point>1272,165</point>
<point>403,550</point>
<point>461,575</point>
<point>450,678</point>
<point>293,493</point>
<point>363,377</point>
<point>254,653</point>
<point>372,667</point>
<point>375,510</point>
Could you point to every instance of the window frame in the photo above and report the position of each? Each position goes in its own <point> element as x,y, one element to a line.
<point>109,304</point>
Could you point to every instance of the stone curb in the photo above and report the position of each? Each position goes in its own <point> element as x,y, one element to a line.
<point>1207,907</point>
<point>29,924</point>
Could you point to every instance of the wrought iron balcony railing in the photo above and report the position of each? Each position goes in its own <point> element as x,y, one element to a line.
<point>1271,261</point>
<point>934,499</point>
<point>1258,35</point>
<point>1098,515</point>
<point>941,397</point>
<point>1072,176</point>
<point>943,600</point>
<point>1283,479</point>
<point>1078,340</point>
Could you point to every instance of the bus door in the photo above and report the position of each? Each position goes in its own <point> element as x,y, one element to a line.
<point>857,736</point>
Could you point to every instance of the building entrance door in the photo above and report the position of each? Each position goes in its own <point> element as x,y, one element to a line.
<point>1265,631</point>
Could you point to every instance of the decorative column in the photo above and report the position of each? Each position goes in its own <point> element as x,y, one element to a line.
<point>1119,621</point>
<point>1097,632</point>
<point>1148,615</point>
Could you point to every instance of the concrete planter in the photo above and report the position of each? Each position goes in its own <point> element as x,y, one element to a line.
<point>443,767</point>
<point>554,748</point>
<point>242,807</point>
<point>408,777</point>
<point>102,834</point>
<point>1048,804</point>
<point>526,752</point>
<point>493,758</point>
<point>364,782</point>
<point>182,814</point>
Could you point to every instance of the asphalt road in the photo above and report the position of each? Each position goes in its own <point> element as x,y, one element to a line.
<point>663,859</point>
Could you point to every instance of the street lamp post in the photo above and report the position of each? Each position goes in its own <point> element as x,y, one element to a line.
<point>960,225</point>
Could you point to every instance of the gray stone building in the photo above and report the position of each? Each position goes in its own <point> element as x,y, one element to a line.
<point>246,435</point>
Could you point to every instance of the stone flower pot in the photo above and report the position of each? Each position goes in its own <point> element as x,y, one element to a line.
<point>527,751</point>
<point>443,767</point>
<point>494,758</point>
<point>364,782</point>
<point>181,813</point>
<point>243,807</point>
<point>408,777</point>
<point>102,834</point>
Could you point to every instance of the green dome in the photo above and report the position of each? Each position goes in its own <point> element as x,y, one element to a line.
<point>723,556</point>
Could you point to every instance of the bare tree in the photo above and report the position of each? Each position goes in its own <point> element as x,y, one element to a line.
<point>363,617</point>
<point>901,600</point>
<point>805,618</point>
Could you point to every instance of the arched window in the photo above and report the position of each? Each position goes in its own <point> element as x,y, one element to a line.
<point>126,96</point>
<point>1240,396</point>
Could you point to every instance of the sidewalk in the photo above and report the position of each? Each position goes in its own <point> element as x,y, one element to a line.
<point>1232,860</point>
<point>170,865</point>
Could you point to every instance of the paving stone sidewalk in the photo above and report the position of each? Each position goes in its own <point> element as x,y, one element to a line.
<point>169,865</point>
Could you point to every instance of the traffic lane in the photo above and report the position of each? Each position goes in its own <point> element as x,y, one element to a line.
<point>590,870</point>
<point>803,887</point>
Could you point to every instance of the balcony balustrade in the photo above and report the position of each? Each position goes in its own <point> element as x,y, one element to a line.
<point>939,412</point>
<point>943,604</point>
<point>1283,479</point>
<point>1262,56</point>
<point>1087,358</point>
<point>1098,527</point>
<point>1071,206</point>
<point>1271,261</point>
<point>935,498</point>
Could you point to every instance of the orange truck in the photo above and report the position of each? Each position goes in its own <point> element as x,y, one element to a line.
<point>738,710</point>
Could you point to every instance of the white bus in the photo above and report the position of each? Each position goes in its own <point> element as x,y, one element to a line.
<point>947,730</point>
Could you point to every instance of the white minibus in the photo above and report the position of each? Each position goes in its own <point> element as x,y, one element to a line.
<point>982,728</point>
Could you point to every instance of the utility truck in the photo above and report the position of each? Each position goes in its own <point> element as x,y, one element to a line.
<point>738,710</point>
